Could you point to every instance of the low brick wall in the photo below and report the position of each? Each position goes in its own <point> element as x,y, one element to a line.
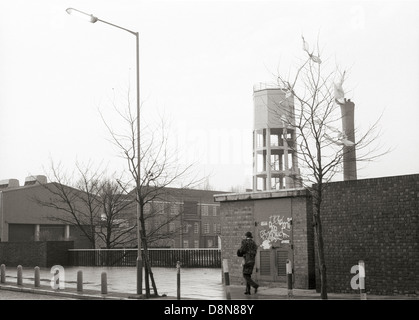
<point>35,253</point>
<point>375,220</point>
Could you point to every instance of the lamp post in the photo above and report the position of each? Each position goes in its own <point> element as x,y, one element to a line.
<point>92,19</point>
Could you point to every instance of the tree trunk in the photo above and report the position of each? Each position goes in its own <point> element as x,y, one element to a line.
<point>320,254</point>
<point>153,283</point>
<point>148,272</point>
<point>146,278</point>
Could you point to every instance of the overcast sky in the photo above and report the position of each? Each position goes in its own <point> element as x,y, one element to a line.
<point>199,61</point>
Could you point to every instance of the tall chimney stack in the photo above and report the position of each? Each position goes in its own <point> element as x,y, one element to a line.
<point>349,154</point>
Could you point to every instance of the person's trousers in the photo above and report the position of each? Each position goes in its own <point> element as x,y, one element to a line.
<point>249,282</point>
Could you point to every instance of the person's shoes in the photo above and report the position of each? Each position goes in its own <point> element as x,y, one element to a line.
<point>247,292</point>
<point>256,289</point>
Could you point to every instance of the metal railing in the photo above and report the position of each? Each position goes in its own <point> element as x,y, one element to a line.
<point>264,85</point>
<point>189,258</point>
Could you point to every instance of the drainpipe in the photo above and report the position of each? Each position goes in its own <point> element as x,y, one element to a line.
<point>37,232</point>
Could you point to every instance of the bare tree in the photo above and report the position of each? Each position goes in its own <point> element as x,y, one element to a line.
<point>160,169</point>
<point>162,217</point>
<point>92,203</point>
<point>311,109</point>
<point>116,225</point>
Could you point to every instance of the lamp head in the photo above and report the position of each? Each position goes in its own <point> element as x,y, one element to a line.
<point>89,17</point>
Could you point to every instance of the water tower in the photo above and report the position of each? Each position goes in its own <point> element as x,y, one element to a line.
<point>275,164</point>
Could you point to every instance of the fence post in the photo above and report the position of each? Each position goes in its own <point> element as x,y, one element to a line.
<point>2,273</point>
<point>178,279</point>
<point>289,279</point>
<point>37,277</point>
<point>19,275</point>
<point>226,279</point>
<point>79,281</point>
<point>362,290</point>
<point>104,283</point>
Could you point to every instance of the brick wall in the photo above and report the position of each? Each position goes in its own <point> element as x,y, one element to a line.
<point>303,243</point>
<point>57,253</point>
<point>29,254</point>
<point>236,218</point>
<point>375,220</point>
<point>35,253</point>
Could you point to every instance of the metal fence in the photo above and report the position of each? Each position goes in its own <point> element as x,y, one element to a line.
<point>189,258</point>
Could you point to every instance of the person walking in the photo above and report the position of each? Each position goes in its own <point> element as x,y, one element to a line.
<point>248,251</point>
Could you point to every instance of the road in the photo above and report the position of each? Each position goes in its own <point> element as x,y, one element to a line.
<point>16,295</point>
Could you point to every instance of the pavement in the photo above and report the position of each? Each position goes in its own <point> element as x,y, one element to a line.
<point>232,292</point>
<point>121,287</point>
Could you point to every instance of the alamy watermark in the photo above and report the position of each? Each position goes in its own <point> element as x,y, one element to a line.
<point>58,278</point>
<point>358,280</point>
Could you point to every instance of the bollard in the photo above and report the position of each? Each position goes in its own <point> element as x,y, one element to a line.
<point>362,291</point>
<point>2,273</point>
<point>19,275</point>
<point>104,283</point>
<point>178,279</point>
<point>289,279</point>
<point>79,281</point>
<point>37,277</point>
<point>226,279</point>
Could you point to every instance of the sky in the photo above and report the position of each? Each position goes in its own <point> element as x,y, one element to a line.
<point>199,61</point>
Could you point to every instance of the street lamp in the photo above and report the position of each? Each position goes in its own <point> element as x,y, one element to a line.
<point>92,19</point>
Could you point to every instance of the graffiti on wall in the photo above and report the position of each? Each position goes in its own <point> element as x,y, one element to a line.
<point>277,229</point>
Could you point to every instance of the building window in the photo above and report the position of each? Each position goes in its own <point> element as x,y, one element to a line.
<point>159,207</point>
<point>186,243</point>
<point>204,210</point>
<point>174,209</point>
<point>121,223</point>
<point>147,208</point>
<point>172,227</point>
<point>206,228</point>
<point>196,227</point>
<point>196,244</point>
<point>210,243</point>
<point>186,228</point>
<point>214,211</point>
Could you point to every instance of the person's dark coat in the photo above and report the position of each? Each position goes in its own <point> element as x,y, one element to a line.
<point>248,249</point>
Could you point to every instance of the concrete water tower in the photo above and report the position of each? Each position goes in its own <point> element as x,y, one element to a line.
<point>275,164</point>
